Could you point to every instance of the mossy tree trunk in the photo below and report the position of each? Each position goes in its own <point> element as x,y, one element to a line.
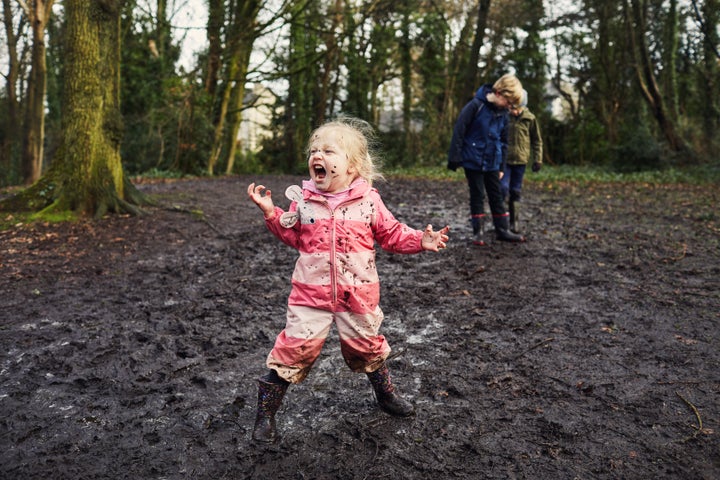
<point>86,175</point>
<point>246,24</point>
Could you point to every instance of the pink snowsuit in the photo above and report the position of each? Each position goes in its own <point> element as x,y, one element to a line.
<point>335,277</point>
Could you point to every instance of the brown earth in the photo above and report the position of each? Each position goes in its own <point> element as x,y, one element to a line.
<point>130,346</point>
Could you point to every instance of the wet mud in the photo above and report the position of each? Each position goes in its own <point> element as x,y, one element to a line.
<point>130,347</point>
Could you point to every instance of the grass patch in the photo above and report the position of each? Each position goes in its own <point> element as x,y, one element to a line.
<point>699,175</point>
<point>18,219</point>
<point>54,216</point>
<point>12,220</point>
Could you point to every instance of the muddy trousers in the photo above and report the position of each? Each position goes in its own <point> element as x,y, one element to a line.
<point>386,394</point>
<point>271,390</point>
<point>512,189</point>
<point>299,345</point>
<point>488,183</point>
<point>481,184</point>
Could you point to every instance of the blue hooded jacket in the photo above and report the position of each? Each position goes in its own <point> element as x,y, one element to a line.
<point>479,140</point>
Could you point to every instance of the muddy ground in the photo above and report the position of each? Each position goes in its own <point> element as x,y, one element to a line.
<point>130,346</point>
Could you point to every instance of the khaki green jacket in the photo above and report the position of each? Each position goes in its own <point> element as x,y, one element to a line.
<point>524,139</point>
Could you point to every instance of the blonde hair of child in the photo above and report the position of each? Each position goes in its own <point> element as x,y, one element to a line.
<point>509,86</point>
<point>357,138</point>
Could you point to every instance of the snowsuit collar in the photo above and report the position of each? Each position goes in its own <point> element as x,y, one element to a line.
<point>357,188</point>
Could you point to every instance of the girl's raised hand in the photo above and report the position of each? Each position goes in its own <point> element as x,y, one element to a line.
<point>263,201</point>
<point>435,241</point>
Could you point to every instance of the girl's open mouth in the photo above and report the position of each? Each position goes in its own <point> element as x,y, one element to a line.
<point>319,171</point>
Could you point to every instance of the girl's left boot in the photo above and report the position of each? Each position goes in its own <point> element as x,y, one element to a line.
<point>386,396</point>
<point>270,397</point>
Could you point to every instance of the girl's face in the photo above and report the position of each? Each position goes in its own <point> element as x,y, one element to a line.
<point>329,164</point>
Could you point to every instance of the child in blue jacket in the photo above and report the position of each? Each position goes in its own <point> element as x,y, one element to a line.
<point>479,146</point>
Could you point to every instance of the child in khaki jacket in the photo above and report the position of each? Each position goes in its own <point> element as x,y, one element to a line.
<point>524,146</point>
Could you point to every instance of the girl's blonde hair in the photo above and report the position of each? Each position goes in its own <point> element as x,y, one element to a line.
<point>357,138</point>
<point>509,87</point>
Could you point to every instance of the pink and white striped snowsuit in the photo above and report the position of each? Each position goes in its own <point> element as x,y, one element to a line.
<point>335,278</point>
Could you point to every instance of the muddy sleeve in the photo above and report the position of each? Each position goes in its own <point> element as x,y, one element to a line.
<point>289,236</point>
<point>393,236</point>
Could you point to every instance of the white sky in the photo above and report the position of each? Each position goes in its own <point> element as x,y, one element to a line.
<point>191,21</point>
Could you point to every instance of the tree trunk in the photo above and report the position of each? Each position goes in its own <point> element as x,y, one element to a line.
<point>235,115</point>
<point>330,64</point>
<point>635,19</point>
<point>12,121</point>
<point>470,76</point>
<point>38,13</point>
<point>670,68</point>
<point>300,104</point>
<point>711,72</point>
<point>216,18</point>
<point>87,175</point>
<point>406,72</point>
<point>245,31</point>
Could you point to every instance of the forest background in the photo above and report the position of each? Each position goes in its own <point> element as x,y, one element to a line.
<point>94,92</point>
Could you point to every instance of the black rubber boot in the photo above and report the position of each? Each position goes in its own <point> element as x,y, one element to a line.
<point>270,396</point>
<point>514,210</point>
<point>388,399</point>
<point>502,233</point>
<point>478,226</point>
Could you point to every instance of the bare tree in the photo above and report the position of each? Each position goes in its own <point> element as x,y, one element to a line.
<point>635,15</point>
<point>38,13</point>
<point>12,122</point>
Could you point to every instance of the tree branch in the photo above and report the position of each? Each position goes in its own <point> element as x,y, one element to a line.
<point>25,7</point>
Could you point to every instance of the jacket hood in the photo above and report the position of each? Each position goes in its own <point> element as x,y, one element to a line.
<point>481,95</point>
<point>483,91</point>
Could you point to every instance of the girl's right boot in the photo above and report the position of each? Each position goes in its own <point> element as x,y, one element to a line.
<point>270,395</point>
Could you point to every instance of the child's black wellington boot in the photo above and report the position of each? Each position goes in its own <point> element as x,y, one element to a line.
<point>514,210</point>
<point>478,227</point>
<point>270,397</point>
<point>388,399</point>
<point>502,233</point>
